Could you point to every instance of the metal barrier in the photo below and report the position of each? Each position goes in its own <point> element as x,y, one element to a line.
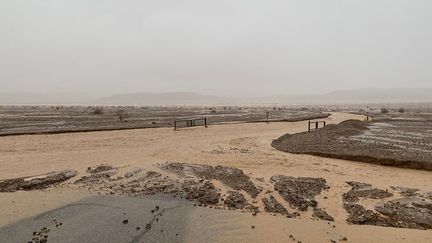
<point>190,123</point>
<point>316,123</point>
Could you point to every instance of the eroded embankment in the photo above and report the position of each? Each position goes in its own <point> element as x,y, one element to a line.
<point>405,144</point>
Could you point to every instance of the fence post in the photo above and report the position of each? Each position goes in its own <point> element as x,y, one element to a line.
<point>205,122</point>
<point>308,126</point>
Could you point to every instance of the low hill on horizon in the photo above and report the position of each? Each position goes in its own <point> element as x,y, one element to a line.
<point>393,95</point>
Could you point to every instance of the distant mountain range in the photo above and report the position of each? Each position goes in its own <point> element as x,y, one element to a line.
<point>393,95</point>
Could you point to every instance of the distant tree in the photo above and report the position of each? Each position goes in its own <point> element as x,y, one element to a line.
<point>384,110</point>
<point>401,110</point>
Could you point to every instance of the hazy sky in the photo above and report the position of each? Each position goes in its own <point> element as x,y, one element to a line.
<point>219,47</point>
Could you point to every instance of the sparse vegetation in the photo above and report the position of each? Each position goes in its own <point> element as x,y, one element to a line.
<point>97,110</point>
<point>122,114</point>
<point>401,110</point>
<point>384,110</point>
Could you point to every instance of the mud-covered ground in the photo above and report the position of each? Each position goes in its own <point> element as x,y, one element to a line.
<point>230,188</point>
<point>54,119</point>
<point>396,142</point>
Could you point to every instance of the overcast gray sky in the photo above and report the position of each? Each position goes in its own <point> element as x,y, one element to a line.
<point>233,47</point>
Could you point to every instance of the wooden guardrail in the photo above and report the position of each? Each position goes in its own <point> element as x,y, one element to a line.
<point>190,123</point>
<point>315,125</point>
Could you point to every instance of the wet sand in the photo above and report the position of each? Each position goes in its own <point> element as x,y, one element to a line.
<point>244,146</point>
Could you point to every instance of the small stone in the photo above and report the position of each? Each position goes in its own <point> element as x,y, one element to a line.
<point>344,239</point>
<point>148,226</point>
<point>125,221</point>
<point>253,226</point>
<point>138,228</point>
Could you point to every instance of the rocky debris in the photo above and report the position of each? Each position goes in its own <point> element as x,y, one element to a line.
<point>299,192</point>
<point>395,216</point>
<point>152,174</point>
<point>363,190</point>
<point>232,177</point>
<point>95,178</point>
<point>235,200</point>
<point>36,183</point>
<point>40,236</point>
<point>205,193</point>
<point>322,214</point>
<point>357,214</point>
<point>406,191</point>
<point>359,185</point>
<point>410,212</point>
<point>132,172</point>
<point>149,184</point>
<point>271,205</point>
<point>99,168</point>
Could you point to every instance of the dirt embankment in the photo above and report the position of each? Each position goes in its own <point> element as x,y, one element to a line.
<point>406,144</point>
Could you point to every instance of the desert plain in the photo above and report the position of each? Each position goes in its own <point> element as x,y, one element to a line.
<point>227,183</point>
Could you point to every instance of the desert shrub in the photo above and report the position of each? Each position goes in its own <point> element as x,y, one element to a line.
<point>121,114</point>
<point>384,110</point>
<point>401,110</point>
<point>98,110</point>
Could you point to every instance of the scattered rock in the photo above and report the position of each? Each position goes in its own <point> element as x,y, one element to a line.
<point>363,190</point>
<point>205,193</point>
<point>406,191</point>
<point>99,168</point>
<point>273,206</point>
<point>409,212</point>
<point>132,172</point>
<point>322,214</point>
<point>232,177</point>
<point>299,192</point>
<point>235,200</point>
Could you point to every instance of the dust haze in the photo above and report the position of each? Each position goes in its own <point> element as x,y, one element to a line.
<point>222,48</point>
